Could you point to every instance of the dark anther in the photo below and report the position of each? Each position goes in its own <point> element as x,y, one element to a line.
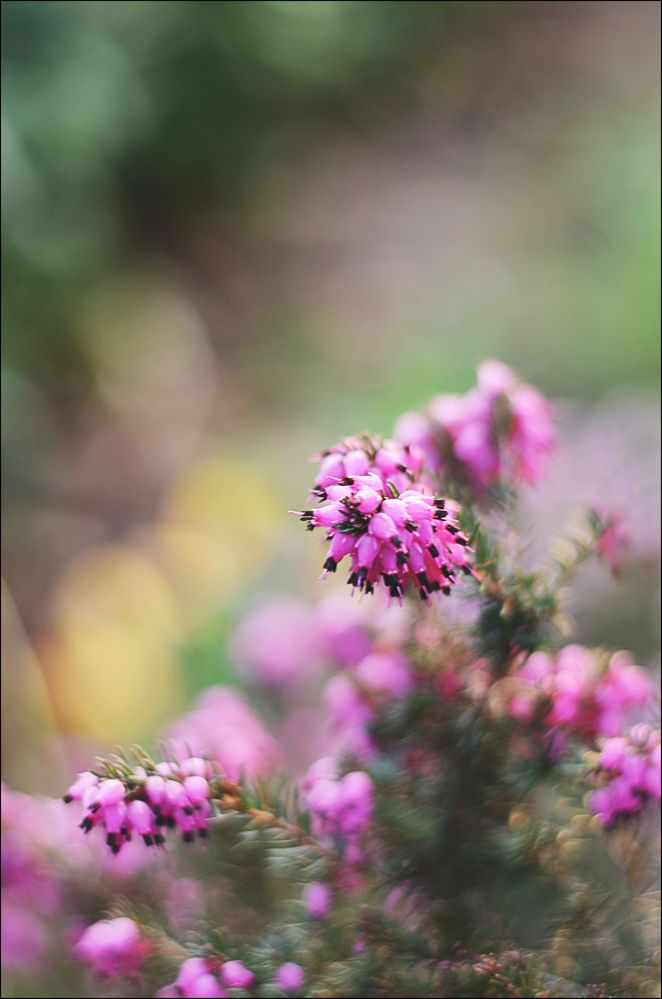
<point>330,564</point>
<point>434,551</point>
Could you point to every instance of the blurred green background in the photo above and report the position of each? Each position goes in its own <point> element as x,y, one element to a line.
<point>234,232</point>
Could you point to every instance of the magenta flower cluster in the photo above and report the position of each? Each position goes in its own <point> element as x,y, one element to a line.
<point>500,432</point>
<point>378,513</point>
<point>208,978</point>
<point>196,977</point>
<point>629,770</point>
<point>341,807</point>
<point>174,797</point>
<point>579,692</point>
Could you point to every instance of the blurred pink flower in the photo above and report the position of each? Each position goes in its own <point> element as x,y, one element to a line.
<point>277,643</point>
<point>317,899</point>
<point>290,977</point>
<point>578,694</point>
<point>113,947</point>
<point>223,727</point>
<point>502,431</point>
<point>631,765</point>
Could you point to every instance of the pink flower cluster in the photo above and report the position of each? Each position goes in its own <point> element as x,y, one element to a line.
<point>30,889</point>
<point>577,692</point>
<point>113,948</point>
<point>283,642</point>
<point>205,978</point>
<point>278,644</point>
<point>378,513</point>
<point>631,766</point>
<point>225,729</point>
<point>501,431</point>
<point>196,979</point>
<point>353,698</point>
<point>341,807</point>
<point>175,796</point>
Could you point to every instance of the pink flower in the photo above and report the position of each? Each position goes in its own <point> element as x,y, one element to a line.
<point>149,804</point>
<point>394,532</point>
<point>317,899</point>
<point>278,643</point>
<point>195,981</point>
<point>341,807</point>
<point>350,716</point>
<point>580,694</point>
<point>290,977</point>
<point>224,728</point>
<point>629,767</point>
<point>385,673</point>
<point>113,947</point>
<point>501,431</point>
<point>236,976</point>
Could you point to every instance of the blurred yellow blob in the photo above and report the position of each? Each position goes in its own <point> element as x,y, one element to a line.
<point>112,658</point>
<point>32,757</point>
<point>218,529</point>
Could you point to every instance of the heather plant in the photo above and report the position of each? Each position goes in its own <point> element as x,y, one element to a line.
<point>476,813</point>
